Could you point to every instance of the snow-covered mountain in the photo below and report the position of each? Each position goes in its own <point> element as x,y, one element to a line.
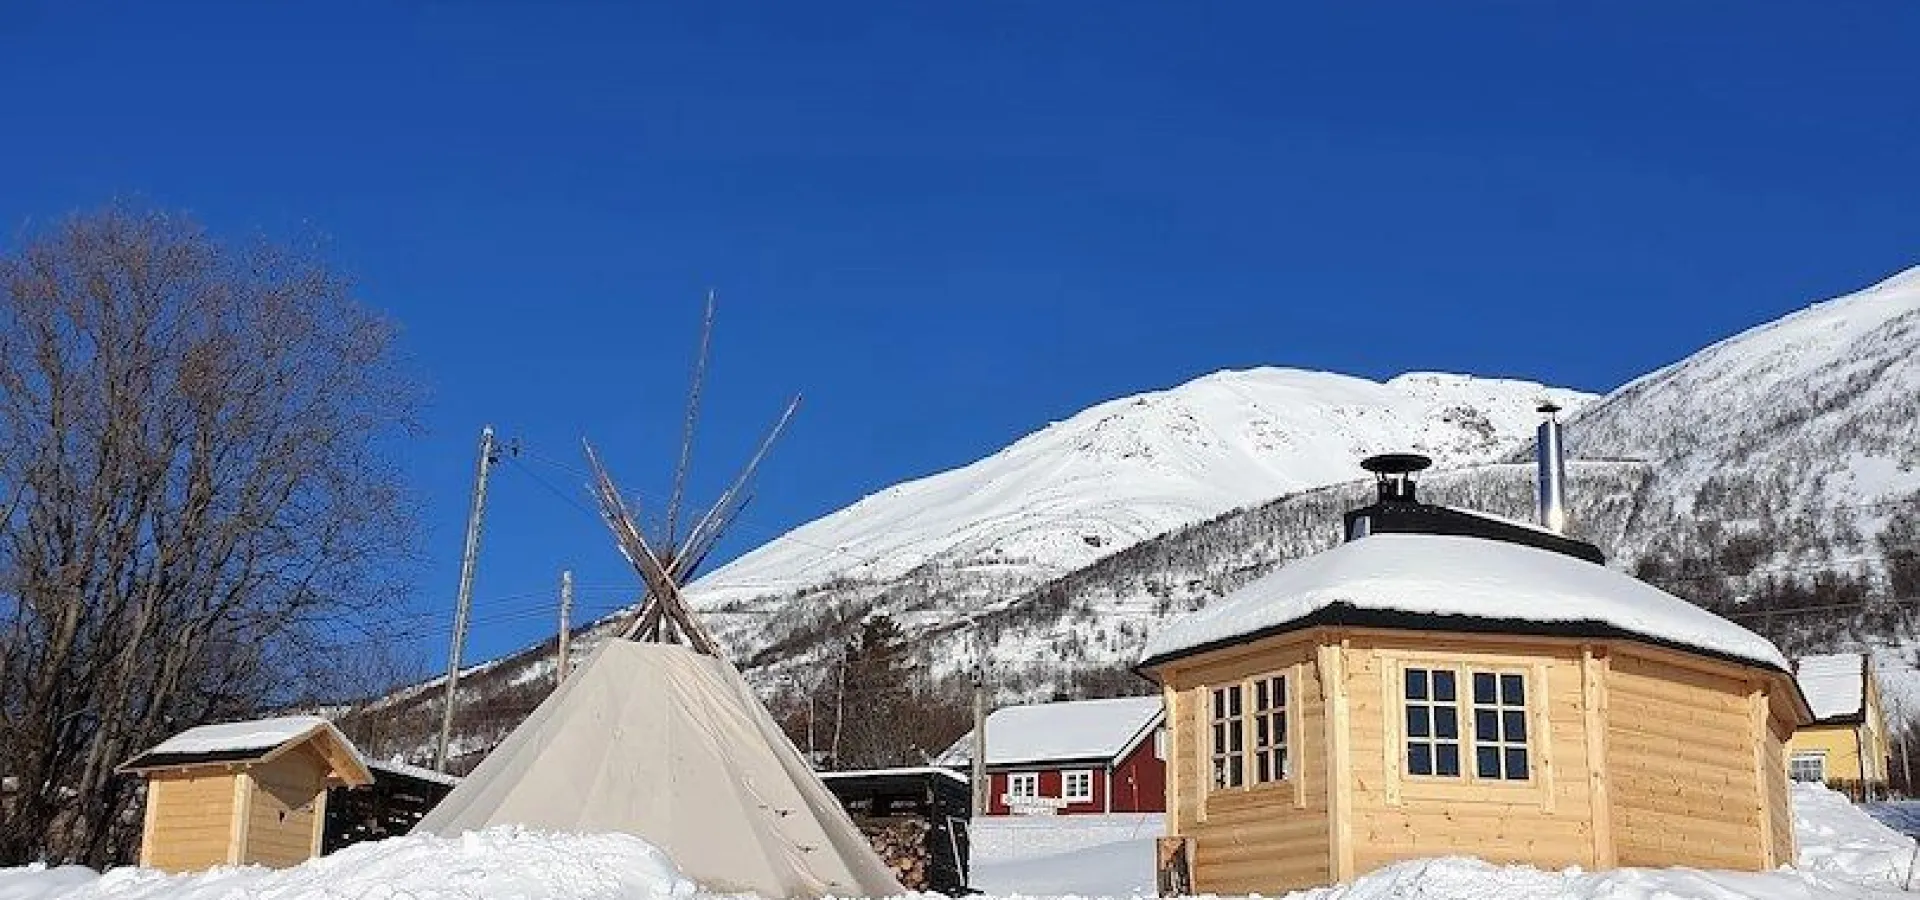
<point>1129,469</point>
<point>1815,415</point>
<point>1774,476</point>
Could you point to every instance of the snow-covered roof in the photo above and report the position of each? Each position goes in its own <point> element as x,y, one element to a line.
<point>413,771</point>
<point>1473,578</point>
<point>905,770</point>
<point>249,741</point>
<point>1835,685</point>
<point>257,734</point>
<point>1074,730</point>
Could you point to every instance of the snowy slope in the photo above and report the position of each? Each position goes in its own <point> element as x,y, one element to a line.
<point>1815,411</point>
<point>1133,468</point>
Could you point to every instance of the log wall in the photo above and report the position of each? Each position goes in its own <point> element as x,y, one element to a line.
<point>287,810</point>
<point>190,821</point>
<point>1687,789</point>
<point>1262,838</point>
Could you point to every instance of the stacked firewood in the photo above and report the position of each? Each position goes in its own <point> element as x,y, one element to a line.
<point>902,845</point>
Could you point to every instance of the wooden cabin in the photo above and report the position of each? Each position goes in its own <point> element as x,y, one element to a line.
<point>1447,683</point>
<point>242,793</point>
<point>1072,757</point>
<point>1846,746</point>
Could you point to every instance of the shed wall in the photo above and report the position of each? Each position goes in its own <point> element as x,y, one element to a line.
<point>283,825</point>
<point>190,826</point>
<point>1681,750</point>
<point>1265,838</point>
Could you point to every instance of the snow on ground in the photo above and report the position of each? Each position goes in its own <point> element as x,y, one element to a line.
<point>1844,855</point>
<point>498,864</point>
<point>1099,856</point>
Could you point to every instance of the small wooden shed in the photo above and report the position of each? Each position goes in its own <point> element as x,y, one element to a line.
<point>1449,683</point>
<point>243,793</point>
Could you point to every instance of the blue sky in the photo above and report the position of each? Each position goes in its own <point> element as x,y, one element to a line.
<point>951,224</point>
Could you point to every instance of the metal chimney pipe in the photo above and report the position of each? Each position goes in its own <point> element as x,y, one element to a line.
<point>1550,453</point>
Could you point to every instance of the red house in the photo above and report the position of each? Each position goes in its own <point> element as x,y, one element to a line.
<point>1083,756</point>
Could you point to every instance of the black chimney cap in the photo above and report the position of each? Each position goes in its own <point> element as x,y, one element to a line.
<point>1548,406</point>
<point>1396,463</point>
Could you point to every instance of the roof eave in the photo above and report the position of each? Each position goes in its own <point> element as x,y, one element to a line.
<point>1348,615</point>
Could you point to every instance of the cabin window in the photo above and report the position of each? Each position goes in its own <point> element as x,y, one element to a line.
<point>1229,737</point>
<point>1270,729</point>
<point>1076,786</point>
<point>1500,726</point>
<point>1433,722</point>
<point>1023,785</point>
<point>1808,767</point>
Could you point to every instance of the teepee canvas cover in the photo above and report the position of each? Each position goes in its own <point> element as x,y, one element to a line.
<point>670,745</point>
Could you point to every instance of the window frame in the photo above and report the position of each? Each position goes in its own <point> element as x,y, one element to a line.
<point>1227,724</point>
<point>1467,739</point>
<point>1245,726</point>
<point>1066,779</point>
<point>1818,757</point>
<point>1275,718</point>
<point>1030,779</point>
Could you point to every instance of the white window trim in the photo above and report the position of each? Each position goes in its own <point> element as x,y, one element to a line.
<point>1819,756</point>
<point>1015,780</point>
<point>1066,792</point>
<point>1468,737</point>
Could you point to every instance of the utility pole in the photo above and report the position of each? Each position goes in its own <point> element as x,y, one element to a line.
<point>978,779</point>
<point>468,558</point>
<point>566,626</point>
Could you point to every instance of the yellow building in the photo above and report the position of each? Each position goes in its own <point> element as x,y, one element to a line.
<point>1846,745</point>
<point>242,792</point>
<point>1451,683</point>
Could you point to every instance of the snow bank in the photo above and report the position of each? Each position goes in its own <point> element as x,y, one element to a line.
<point>1837,837</point>
<point>1103,855</point>
<point>496,864</point>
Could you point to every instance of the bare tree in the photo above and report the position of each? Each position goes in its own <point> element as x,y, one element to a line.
<point>195,496</point>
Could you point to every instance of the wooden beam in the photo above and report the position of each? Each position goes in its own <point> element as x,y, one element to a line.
<point>1762,733</point>
<point>242,815</point>
<point>1331,657</point>
<point>1593,703</point>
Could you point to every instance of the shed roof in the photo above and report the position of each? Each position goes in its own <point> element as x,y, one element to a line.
<point>1069,731</point>
<point>1835,685</point>
<point>1447,581</point>
<point>252,742</point>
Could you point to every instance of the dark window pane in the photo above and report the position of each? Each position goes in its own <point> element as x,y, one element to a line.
<point>1219,705</point>
<point>1238,768</point>
<point>1517,763</point>
<point>1446,722</point>
<point>1443,685</point>
<point>1513,690</point>
<point>1420,759</point>
<point>1259,695</point>
<point>1416,684</point>
<point>1219,737</point>
<point>1446,760</point>
<point>1261,772</point>
<point>1486,724</point>
<point>1261,734</point>
<point>1233,701</point>
<point>1280,761</point>
<point>1280,728</point>
<point>1516,725</point>
<point>1487,762</point>
<point>1280,691</point>
<point>1236,740</point>
<point>1483,687</point>
<point>1417,721</point>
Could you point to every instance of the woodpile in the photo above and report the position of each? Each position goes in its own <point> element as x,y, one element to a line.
<point>903,846</point>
